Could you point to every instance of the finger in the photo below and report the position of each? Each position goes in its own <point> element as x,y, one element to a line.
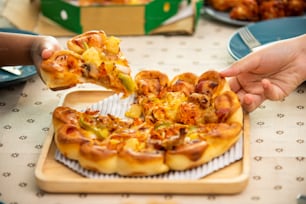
<point>49,47</point>
<point>241,95</point>
<point>250,102</point>
<point>233,70</point>
<point>271,91</point>
<point>46,53</point>
<point>234,84</point>
<point>42,49</point>
<point>50,43</point>
<point>248,63</point>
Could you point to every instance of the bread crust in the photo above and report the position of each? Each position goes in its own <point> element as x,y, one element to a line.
<point>175,129</point>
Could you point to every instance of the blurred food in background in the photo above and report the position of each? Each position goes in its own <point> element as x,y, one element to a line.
<point>257,10</point>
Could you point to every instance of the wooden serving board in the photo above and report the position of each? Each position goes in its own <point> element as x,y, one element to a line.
<point>53,176</point>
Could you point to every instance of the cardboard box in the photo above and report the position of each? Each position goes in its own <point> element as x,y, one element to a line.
<point>27,15</point>
<point>142,19</point>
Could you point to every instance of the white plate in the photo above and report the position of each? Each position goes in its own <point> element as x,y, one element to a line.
<point>267,32</point>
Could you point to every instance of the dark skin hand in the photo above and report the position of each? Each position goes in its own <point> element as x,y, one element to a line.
<point>23,49</point>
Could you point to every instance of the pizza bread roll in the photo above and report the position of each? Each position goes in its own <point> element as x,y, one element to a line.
<point>219,137</point>
<point>184,82</point>
<point>151,82</point>
<point>227,107</point>
<point>133,163</point>
<point>187,156</point>
<point>211,84</point>
<point>69,140</point>
<point>98,157</point>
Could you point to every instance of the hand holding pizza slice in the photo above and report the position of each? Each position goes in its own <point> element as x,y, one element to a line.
<point>91,57</point>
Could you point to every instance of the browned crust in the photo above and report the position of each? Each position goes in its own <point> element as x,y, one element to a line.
<point>184,82</point>
<point>141,163</point>
<point>98,158</point>
<point>145,158</point>
<point>95,38</point>
<point>186,156</point>
<point>151,82</point>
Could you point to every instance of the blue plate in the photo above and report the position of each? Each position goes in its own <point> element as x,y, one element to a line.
<point>267,32</point>
<point>7,79</point>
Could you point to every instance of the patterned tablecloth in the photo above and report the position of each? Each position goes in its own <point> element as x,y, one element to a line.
<point>278,139</point>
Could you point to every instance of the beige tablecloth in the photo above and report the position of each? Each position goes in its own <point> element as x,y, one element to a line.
<point>278,146</point>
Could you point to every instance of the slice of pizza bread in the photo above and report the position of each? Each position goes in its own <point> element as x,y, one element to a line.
<point>92,57</point>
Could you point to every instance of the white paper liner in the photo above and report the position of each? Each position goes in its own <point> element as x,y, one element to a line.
<point>117,106</point>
